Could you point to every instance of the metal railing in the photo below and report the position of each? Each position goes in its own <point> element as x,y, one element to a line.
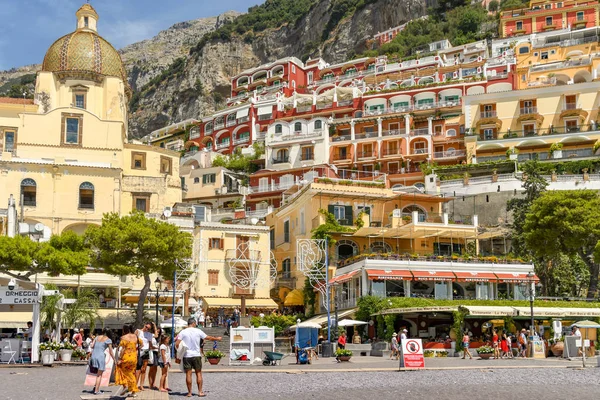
<point>393,132</point>
<point>570,106</point>
<point>419,132</point>
<point>344,103</point>
<point>365,154</point>
<point>341,138</point>
<point>244,139</point>
<point>280,160</point>
<point>392,151</point>
<point>296,136</point>
<point>365,135</point>
<point>341,156</point>
<point>488,114</point>
<point>307,157</point>
<point>231,122</point>
<point>420,151</point>
<point>222,145</point>
<point>243,254</point>
<point>265,117</point>
<point>528,110</point>
<point>449,154</point>
<point>219,125</point>
<point>553,130</point>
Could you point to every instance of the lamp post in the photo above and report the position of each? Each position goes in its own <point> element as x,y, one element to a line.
<point>531,293</point>
<point>158,284</point>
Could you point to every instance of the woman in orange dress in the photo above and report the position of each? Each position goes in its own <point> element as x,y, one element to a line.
<point>128,353</point>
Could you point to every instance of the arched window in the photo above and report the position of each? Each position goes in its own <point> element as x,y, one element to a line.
<point>282,156</point>
<point>196,180</point>
<point>278,128</point>
<point>451,132</point>
<point>28,192</point>
<point>286,268</point>
<point>381,247</point>
<point>297,127</point>
<point>407,211</point>
<point>318,124</point>
<point>86,195</point>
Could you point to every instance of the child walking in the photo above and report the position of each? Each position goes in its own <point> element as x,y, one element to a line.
<point>164,362</point>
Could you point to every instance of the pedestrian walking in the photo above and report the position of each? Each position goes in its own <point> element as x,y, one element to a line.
<point>87,345</point>
<point>98,359</point>
<point>465,342</point>
<point>164,362</point>
<point>78,338</point>
<point>523,343</point>
<point>145,334</point>
<point>495,344</point>
<point>341,343</point>
<point>403,335</point>
<point>504,346</point>
<point>394,354</point>
<point>192,359</point>
<point>153,363</point>
<point>128,355</point>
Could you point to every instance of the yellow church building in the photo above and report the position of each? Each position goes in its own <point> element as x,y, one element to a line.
<point>65,156</point>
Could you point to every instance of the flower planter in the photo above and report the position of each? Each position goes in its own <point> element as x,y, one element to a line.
<point>213,361</point>
<point>485,356</point>
<point>48,357</point>
<point>65,355</point>
<point>344,358</point>
<point>558,348</point>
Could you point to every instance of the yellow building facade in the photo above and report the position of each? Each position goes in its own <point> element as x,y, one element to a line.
<point>65,157</point>
<point>234,267</point>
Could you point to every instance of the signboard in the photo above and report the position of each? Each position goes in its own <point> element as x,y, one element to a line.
<point>18,296</point>
<point>412,354</point>
<point>538,349</point>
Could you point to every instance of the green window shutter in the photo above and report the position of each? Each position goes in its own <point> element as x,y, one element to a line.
<point>330,209</point>
<point>349,215</point>
<point>203,179</point>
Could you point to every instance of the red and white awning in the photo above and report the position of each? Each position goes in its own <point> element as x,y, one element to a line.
<point>396,274</point>
<point>474,276</point>
<point>515,277</point>
<point>433,275</point>
<point>343,278</point>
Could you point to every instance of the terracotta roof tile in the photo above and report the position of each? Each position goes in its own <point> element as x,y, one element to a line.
<point>10,100</point>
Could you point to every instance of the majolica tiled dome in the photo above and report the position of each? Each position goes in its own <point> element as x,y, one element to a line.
<point>84,51</point>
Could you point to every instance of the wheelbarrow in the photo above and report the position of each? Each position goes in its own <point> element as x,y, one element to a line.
<point>271,358</point>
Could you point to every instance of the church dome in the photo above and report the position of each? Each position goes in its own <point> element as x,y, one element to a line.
<point>84,54</point>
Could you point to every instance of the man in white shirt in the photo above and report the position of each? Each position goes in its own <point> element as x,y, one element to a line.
<point>192,359</point>
<point>403,335</point>
<point>146,335</point>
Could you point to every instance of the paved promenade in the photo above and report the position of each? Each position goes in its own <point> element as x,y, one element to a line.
<point>361,378</point>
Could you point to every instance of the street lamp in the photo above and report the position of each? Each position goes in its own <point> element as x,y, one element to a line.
<point>531,293</point>
<point>157,284</point>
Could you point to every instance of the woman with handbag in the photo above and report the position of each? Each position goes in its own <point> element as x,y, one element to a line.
<point>128,354</point>
<point>98,359</point>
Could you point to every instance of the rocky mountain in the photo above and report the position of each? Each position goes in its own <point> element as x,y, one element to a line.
<point>197,84</point>
<point>184,71</point>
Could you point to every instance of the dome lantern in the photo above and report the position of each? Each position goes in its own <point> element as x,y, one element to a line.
<point>87,18</point>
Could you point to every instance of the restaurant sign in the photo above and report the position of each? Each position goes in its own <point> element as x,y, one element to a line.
<point>18,296</point>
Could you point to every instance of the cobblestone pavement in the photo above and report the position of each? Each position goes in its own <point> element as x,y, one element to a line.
<point>517,383</point>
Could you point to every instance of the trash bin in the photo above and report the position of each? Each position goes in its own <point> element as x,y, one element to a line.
<point>326,349</point>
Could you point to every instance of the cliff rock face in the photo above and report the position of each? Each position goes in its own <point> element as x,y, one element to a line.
<point>201,84</point>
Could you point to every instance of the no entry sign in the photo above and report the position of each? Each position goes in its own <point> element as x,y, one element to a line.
<point>412,354</point>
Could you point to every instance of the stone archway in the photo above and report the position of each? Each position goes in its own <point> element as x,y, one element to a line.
<point>345,249</point>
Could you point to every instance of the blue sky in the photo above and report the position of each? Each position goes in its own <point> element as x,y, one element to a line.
<point>29,27</point>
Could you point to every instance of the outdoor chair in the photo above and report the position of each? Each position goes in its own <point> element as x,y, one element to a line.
<point>7,349</point>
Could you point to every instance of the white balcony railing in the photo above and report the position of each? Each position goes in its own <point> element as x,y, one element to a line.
<point>449,154</point>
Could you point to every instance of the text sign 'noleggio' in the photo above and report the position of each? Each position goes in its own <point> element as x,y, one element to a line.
<point>412,354</point>
<point>19,296</point>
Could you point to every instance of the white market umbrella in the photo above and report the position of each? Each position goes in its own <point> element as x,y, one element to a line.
<point>179,323</point>
<point>306,325</point>
<point>351,322</point>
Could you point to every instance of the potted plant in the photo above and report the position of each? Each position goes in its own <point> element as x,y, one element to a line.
<point>558,347</point>
<point>79,354</point>
<point>66,351</point>
<point>343,354</point>
<point>512,153</point>
<point>485,352</point>
<point>428,353</point>
<point>48,352</point>
<point>214,356</point>
<point>556,150</point>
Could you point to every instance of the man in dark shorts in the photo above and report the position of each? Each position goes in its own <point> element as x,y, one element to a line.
<point>192,359</point>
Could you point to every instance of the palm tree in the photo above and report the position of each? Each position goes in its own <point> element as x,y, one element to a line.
<point>49,310</point>
<point>83,310</point>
